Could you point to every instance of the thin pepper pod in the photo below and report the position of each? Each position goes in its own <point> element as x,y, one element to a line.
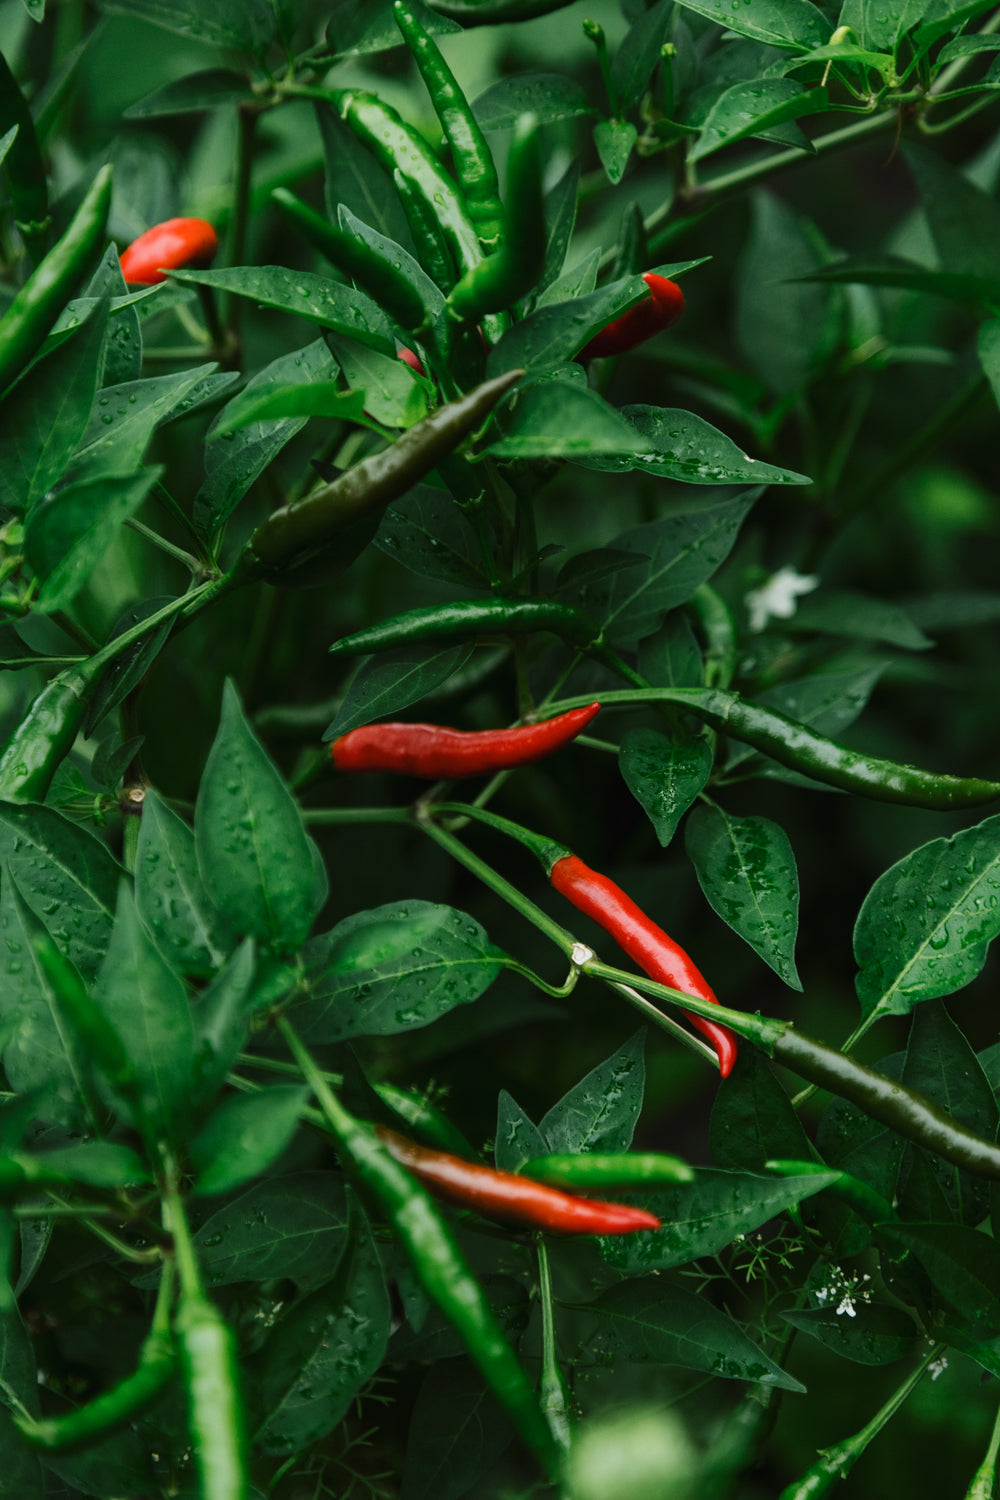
<point>428,750</point>
<point>472,158</point>
<point>655,313</point>
<point>468,618</point>
<point>644,942</point>
<point>856,1194</point>
<point>44,295</point>
<point>297,532</point>
<point>511,1198</point>
<point>111,1410</point>
<point>169,246</point>
<point>591,1169</point>
<point>496,12</point>
<point>216,1419</point>
<point>44,737</point>
<point>515,269</point>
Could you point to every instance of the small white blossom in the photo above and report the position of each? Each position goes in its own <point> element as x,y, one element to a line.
<point>778,597</point>
<point>937,1367</point>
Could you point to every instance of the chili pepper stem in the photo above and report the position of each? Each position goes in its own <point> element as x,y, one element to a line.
<point>553,1393</point>
<point>665,1022</point>
<point>981,1487</point>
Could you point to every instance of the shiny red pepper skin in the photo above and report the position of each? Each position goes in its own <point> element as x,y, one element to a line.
<point>658,311</point>
<point>409,358</point>
<point>650,947</point>
<point>509,1198</point>
<point>168,247</point>
<point>430,751</point>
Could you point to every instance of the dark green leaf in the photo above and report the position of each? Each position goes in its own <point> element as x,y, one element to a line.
<point>192,94</point>
<point>639,53</point>
<point>614,140</point>
<point>663,776</point>
<point>652,1321</point>
<point>578,282</point>
<point>222,1018</point>
<point>244,1135</point>
<point>678,445</point>
<point>351,182</point>
<point>364,26</point>
<point>964,1266</point>
<point>988,347</point>
<point>672,657</point>
<point>395,968</point>
<point>518,1139</point>
<point>66,536</point>
<point>100,1164</point>
<point>457,1433</point>
<point>124,417</point>
<point>749,109</point>
<point>123,347</point>
<point>795,24</point>
<point>964,220</point>
<point>564,419</point>
<point>786,327</point>
<point>851,1141</point>
<point>393,680</point>
<point>560,217</point>
<point>426,532</point>
<point>393,394</point>
<point>547,96</point>
<point>317,399</point>
<point>237,25</point>
<point>254,854</point>
<point>600,1112</point>
<point>747,871</point>
<point>292,1226</point>
<point>892,270</point>
<point>926,924</point>
<point>65,875</point>
<point>753,1121</point>
<point>304,294</point>
<point>826,701</point>
<point>171,896</point>
<point>877,1334</point>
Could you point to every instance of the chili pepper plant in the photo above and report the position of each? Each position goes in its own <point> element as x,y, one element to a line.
<point>499,758</point>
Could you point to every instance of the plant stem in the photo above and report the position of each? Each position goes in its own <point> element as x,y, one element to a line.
<point>981,1487</point>
<point>553,1393</point>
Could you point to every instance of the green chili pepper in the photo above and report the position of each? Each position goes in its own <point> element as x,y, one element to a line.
<point>23,166</point>
<point>469,618</point>
<point>399,148</point>
<point>425,1118</point>
<point>431,252</point>
<point>884,1099</point>
<point>496,12</point>
<point>43,296</point>
<point>372,272</point>
<point>600,1169</point>
<point>855,1193</point>
<point>295,533</point>
<point>513,270</point>
<point>45,735</point>
<point>215,1408</point>
<point>112,1409</point>
<point>470,153</point>
<point>437,1260</point>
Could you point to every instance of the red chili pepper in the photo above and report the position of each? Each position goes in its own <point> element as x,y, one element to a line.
<point>167,247</point>
<point>598,897</point>
<point>658,311</point>
<point>409,358</point>
<point>428,750</point>
<point>509,1198</point>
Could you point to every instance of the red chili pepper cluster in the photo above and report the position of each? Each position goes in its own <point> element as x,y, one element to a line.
<point>598,897</point>
<point>428,750</point>
<point>658,311</point>
<point>168,247</point>
<point>509,1198</point>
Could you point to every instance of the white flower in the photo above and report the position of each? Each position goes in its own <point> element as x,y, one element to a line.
<point>777,598</point>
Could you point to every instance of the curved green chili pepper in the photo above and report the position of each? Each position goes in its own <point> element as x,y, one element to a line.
<point>884,1099</point>
<point>513,270</point>
<point>472,617</point>
<point>855,1193</point>
<point>45,735</point>
<point>372,272</point>
<point>477,175</point>
<point>112,1409</point>
<point>588,1169</point>
<point>436,1258</point>
<point>23,165</point>
<point>39,302</point>
<point>296,533</point>
<point>215,1407</point>
<point>495,12</point>
<point>399,148</point>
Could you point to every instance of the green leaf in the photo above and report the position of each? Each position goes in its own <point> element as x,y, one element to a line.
<point>702,1217</point>
<point>560,217</point>
<point>672,657</point>
<point>294,1226</point>
<point>192,94</point>
<point>44,417</point>
<point>99,1164</point>
<point>232,466</point>
<point>878,1334</point>
<point>786,326</point>
<point>244,1135</point>
<point>880,23</point>
<point>395,968</point>
<point>943,16</point>
<point>66,537</point>
<point>925,926</point>
<point>600,1112</point>
<point>365,26</point>
<point>826,701</point>
<point>652,1321</point>
<point>518,1139</point>
<point>319,399</point>
<point>663,776</point>
<point>850,1140</point>
<point>966,46</point>
<point>428,533</point>
<point>964,1266</point>
<point>639,53</point>
<point>171,896</point>
<point>350,181</point>
<point>843,612</point>
<point>746,869</point>
<point>304,294</point>
<point>23,1477</point>
<point>964,220</point>
<point>562,419</point>
<point>894,271</point>
<point>254,854</point>
<point>749,109</point>
<point>579,282</point>
<point>458,1432</point>
<point>547,96</point>
<point>678,445</point>
<point>329,1345</point>
<point>124,417</point>
<point>988,348</point>
<point>126,672</point>
<point>673,556</point>
<point>147,1005</point>
<point>245,26</point>
<point>393,394</point>
<point>794,24</point>
<point>614,140</point>
<point>753,1121</point>
<point>66,876</point>
<point>393,680</point>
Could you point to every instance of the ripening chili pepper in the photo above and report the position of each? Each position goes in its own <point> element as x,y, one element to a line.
<point>472,158</point>
<point>435,1256</point>
<point>216,1419</point>
<point>113,1408</point>
<point>430,751</point>
<point>652,315</point>
<point>297,532</point>
<point>511,1198</point>
<point>413,360</point>
<point>515,268</point>
<point>468,618</point>
<point>168,247</point>
<point>590,1169</point>
<point>44,295</point>
<point>662,959</point>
